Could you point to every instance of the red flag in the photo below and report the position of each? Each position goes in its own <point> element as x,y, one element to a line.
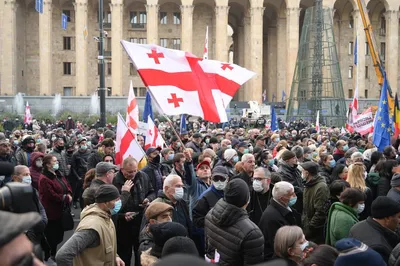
<point>153,137</point>
<point>181,83</point>
<point>28,116</point>
<point>132,111</point>
<point>126,145</point>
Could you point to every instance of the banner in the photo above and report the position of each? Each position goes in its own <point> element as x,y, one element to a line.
<point>364,122</point>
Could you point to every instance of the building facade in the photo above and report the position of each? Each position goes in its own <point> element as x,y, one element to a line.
<point>38,57</point>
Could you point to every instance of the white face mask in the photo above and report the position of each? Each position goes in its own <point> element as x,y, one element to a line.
<point>39,164</point>
<point>178,193</point>
<point>220,185</point>
<point>258,186</point>
<point>27,180</point>
<point>365,175</point>
<point>360,208</point>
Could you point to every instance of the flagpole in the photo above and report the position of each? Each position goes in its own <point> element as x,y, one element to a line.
<point>134,137</point>
<point>173,129</point>
<point>102,89</point>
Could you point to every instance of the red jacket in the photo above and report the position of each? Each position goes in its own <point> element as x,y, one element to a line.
<point>52,194</point>
<point>35,171</point>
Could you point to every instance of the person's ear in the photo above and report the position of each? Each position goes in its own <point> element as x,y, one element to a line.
<point>152,221</point>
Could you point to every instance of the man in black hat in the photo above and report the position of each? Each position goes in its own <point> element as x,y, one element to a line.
<point>230,232</point>
<point>94,240</point>
<point>316,194</point>
<point>379,230</point>
<point>153,167</point>
<point>24,152</point>
<point>260,142</point>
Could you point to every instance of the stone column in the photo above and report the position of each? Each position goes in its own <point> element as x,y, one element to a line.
<point>392,50</point>
<point>359,71</point>
<point>187,28</point>
<point>281,61</point>
<point>256,53</point>
<point>81,47</point>
<point>117,27</point>
<point>152,23</point>
<point>292,41</point>
<point>272,62</point>
<point>241,55</point>
<point>45,48</point>
<point>8,36</point>
<point>221,43</point>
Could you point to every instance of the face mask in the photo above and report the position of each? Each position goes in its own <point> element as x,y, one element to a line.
<point>70,152</point>
<point>53,138</point>
<point>229,146</point>
<point>332,163</point>
<point>178,144</point>
<point>55,167</point>
<point>83,147</point>
<point>365,175</point>
<point>39,164</point>
<point>257,186</point>
<point>292,201</point>
<point>60,148</point>
<point>304,246</point>
<point>235,159</point>
<point>69,117</point>
<point>309,156</point>
<point>294,135</point>
<point>287,135</point>
<point>89,143</point>
<point>277,140</point>
<point>271,162</point>
<point>220,185</point>
<point>304,177</point>
<point>246,151</point>
<point>156,159</point>
<point>178,193</point>
<point>360,208</point>
<point>346,148</point>
<point>315,154</point>
<point>251,149</point>
<point>117,207</point>
<point>171,157</point>
<point>27,180</point>
<point>16,142</point>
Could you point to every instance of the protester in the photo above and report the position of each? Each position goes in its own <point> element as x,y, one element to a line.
<point>322,255</point>
<point>248,165</point>
<point>107,148</point>
<point>24,152</point>
<point>36,168</point>
<point>260,194</point>
<point>59,152</point>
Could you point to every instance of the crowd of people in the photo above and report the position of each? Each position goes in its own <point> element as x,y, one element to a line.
<point>222,195</point>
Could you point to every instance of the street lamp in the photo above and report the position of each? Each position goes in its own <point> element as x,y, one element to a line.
<point>102,89</point>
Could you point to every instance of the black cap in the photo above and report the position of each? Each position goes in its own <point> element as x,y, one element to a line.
<point>164,231</point>
<point>213,140</point>
<point>237,192</point>
<point>310,167</point>
<point>260,137</point>
<point>197,135</point>
<point>384,206</point>
<point>220,170</point>
<point>243,144</point>
<point>152,149</point>
<point>179,244</point>
<point>80,140</point>
<point>106,193</point>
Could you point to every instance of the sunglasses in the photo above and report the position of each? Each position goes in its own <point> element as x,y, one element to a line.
<point>218,178</point>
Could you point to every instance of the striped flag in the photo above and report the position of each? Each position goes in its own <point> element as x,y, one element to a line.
<point>132,111</point>
<point>354,104</point>
<point>28,116</point>
<point>126,144</point>
<point>205,56</point>
<point>153,137</point>
<point>317,122</point>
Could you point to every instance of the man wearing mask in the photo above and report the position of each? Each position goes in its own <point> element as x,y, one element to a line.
<point>243,148</point>
<point>229,161</point>
<point>153,168</point>
<point>209,198</point>
<point>136,193</point>
<point>23,154</point>
<point>289,173</point>
<point>79,164</point>
<point>248,164</point>
<point>59,153</point>
<point>316,194</point>
<point>278,213</point>
<point>176,145</point>
<point>260,194</point>
<point>167,161</point>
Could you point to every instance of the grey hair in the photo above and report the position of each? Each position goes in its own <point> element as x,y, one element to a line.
<point>281,189</point>
<point>264,171</point>
<point>19,168</point>
<point>285,238</point>
<point>356,156</point>
<point>247,156</point>
<point>129,161</point>
<point>169,180</point>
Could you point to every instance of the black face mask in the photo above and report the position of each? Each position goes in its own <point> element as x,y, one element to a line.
<point>70,152</point>
<point>156,159</point>
<point>60,148</point>
<point>30,149</point>
<point>185,141</point>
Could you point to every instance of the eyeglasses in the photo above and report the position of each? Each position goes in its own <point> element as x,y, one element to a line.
<point>218,178</point>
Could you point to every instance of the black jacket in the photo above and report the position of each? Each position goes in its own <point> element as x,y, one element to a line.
<point>79,163</point>
<point>150,171</point>
<point>293,176</point>
<point>204,204</point>
<point>229,230</point>
<point>258,203</point>
<point>228,166</point>
<point>93,159</point>
<point>375,236</point>
<point>246,178</point>
<point>326,173</point>
<point>274,217</point>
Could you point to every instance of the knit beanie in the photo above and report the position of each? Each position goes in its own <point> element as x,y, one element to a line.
<point>162,232</point>
<point>287,155</point>
<point>353,252</point>
<point>182,260</point>
<point>179,244</point>
<point>395,180</point>
<point>229,154</point>
<point>384,206</point>
<point>237,193</point>
<point>106,193</point>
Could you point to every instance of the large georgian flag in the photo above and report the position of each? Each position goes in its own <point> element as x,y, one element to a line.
<point>182,83</point>
<point>28,116</point>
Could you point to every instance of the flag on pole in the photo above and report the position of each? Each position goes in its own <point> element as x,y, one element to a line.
<point>283,96</point>
<point>183,126</point>
<point>317,122</point>
<point>382,127</point>
<point>274,121</point>
<point>126,144</point>
<point>64,21</point>
<point>28,116</point>
<point>205,56</point>
<point>39,6</point>
<point>354,104</point>
<point>132,111</point>
<point>148,109</point>
<point>153,137</point>
<point>181,83</point>
<point>342,131</point>
<point>396,117</point>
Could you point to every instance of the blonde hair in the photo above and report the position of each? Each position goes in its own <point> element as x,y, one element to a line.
<point>355,176</point>
<point>285,238</point>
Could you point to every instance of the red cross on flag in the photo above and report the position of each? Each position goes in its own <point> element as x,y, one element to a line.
<point>126,145</point>
<point>153,137</point>
<point>28,116</point>
<point>132,111</point>
<point>181,83</point>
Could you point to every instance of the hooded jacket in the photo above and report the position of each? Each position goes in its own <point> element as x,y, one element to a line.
<point>229,230</point>
<point>372,181</point>
<point>35,171</point>
<point>326,173</point>
<point>293,176</point>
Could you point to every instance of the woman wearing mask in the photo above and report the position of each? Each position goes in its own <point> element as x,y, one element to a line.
<point>373,177</point>
<point>291,245</point>
<point>326,166</point>
<point>386,171</point>
<point>268,162</point>
<point>356,179</point>
<point>55,193</point>
<point>344,214</point>
<point>340,172</point>
<point>36,168</point>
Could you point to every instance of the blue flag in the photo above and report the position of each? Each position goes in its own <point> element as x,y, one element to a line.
<point>39,6</point>
<point>382,127</point>
<point>183,128</point>
<point>356,52</point>
<point>148,110</point>
<point>64,21</point>
<point>283,96</point>
<point>274,121</point>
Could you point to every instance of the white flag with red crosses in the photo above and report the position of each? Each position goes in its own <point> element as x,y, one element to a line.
<point>153,137</point>
<point>182,83</point>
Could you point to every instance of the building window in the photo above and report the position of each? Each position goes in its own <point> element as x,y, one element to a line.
<point>383,50</point>
<point>303,95</point>
<point>68,14</point>
<point>163,42</point>
<point>351,48</point>
<point>67,68</point>
<point>132,70</point>
<point>109,91</point>
<point>108,67</point>
<point>134,17</point>
<point>351,23</point>
<point>107,17</point>
<point>177,18</point>
<point>142,40</point>
<point>135,91</point>
<point>351,93</point>
<point>350,74</point>
<point>382,30</point>
<point>163,18</point>
<point>67,43</point>
<point>366,48</point>
<point>142,18</point>
<point>176,44</point>
<point>142,91</point>
<point>366,72</point>
<point>67,91</point>
<point>134,40</point>
<point>366,93</point>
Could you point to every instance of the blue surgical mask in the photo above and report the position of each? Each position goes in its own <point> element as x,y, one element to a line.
<point>271,162</point>
<point>83,147</point>
<point>207,141</point>
<point>332,163</point>
<point>246,151</point>
<point>277,140</point>
<point>27,180</point>
<point>55,167</point>
<point>117,207</point>
<point>170,157</point>
<point>292,201</point>
<point>235,159</point>
<point>346,147</point>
